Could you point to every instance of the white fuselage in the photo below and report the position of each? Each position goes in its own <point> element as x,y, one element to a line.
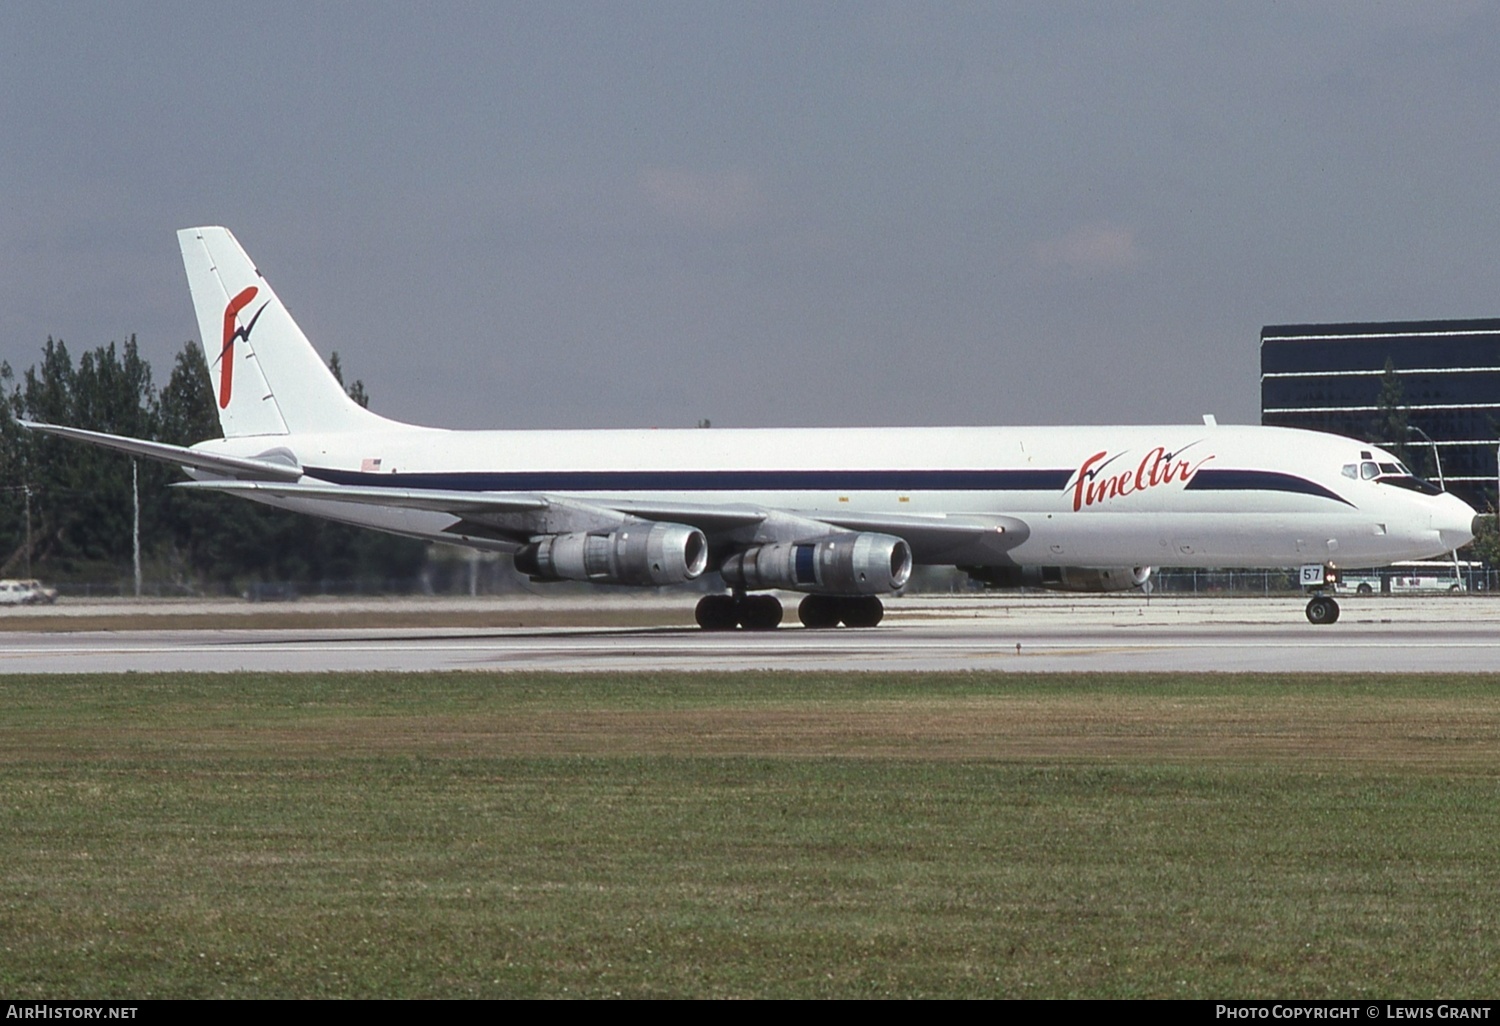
<point>1191,495</point>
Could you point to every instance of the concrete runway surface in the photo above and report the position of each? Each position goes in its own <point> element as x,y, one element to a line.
<point>1027,633</point>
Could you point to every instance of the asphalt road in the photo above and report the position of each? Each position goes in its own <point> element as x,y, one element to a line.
<point>1019,633</point>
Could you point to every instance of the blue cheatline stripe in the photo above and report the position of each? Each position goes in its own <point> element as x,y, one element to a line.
<point>712,480</point>
<point>574,481</point>
<point>1258,481</point>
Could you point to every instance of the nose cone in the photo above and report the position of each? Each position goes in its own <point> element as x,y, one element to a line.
<point>1455,521</point>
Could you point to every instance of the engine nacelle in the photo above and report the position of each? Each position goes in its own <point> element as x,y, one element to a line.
<point>840,564</point>
<point>1061,578</point>
<point>634,553</point>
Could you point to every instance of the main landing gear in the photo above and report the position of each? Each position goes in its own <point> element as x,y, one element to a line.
<point>823,611</point>
<point>763,612</point>
<point>1321,609</point>
<point>726,612</point>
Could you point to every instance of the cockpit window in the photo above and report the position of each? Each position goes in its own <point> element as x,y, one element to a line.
<point>1415,484</point>
<point>1397,474</point>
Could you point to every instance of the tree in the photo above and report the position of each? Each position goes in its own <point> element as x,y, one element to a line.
<point>1391,426</point>
<point>185,408</point>
<point>81,505</point>
<point>223,538</point>
<point>1486,543</point>
<point>355,391</point>
<point>81,495</point>
<point>198,540</point>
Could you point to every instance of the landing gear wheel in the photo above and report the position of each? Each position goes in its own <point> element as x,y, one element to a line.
<point>716,613</point>
<point>819,612</point>
<point>865,611</point>
<point>759,613</point>
<point>725,613</point>
<point>1322,609</point>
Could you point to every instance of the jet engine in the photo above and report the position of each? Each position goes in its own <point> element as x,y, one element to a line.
<point>1061,578</point>
<point>634,553</point>
<point>840,564</point>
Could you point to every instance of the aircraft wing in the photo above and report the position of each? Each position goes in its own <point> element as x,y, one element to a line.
<point>266,469</point>
<point>480,505</point>
<point>934,538</point>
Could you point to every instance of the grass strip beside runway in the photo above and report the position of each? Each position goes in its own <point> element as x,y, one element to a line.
<point>749,835</point>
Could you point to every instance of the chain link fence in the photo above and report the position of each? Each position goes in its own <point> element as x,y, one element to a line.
<point>496,576</point>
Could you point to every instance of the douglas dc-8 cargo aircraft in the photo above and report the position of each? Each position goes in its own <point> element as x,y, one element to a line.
<point>839,515</point>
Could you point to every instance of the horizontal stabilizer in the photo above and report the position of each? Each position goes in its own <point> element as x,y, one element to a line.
<point>231,466</point>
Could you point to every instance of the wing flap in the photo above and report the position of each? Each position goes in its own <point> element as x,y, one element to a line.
<point>943,538</point>
<point>459,504</point>
<point>705,516</point>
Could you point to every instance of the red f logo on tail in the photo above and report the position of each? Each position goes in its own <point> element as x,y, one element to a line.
<point>226,354</point>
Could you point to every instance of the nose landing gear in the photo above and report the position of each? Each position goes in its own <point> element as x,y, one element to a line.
<point>1321,609</point>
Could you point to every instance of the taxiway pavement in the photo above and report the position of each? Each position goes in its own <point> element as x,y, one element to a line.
<point>1021,633</point>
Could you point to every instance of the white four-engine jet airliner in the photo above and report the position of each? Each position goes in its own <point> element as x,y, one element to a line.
<point>839,515</point>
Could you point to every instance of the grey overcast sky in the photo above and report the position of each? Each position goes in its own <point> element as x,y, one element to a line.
<point>643,214</point>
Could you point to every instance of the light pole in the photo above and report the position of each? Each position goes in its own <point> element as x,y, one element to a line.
<point>1437,461</point>
<point>27,489</point>
<point>135,531</point>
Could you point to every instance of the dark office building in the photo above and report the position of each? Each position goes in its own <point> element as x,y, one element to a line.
<point>1329,377</point>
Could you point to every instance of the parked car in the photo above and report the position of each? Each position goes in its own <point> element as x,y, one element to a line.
<point>271,591</point>
<point>26,593</point>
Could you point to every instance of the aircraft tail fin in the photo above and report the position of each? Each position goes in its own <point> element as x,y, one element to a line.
<point>267,378</point>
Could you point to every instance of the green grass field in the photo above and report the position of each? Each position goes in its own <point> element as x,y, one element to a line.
<point>749,835</point>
